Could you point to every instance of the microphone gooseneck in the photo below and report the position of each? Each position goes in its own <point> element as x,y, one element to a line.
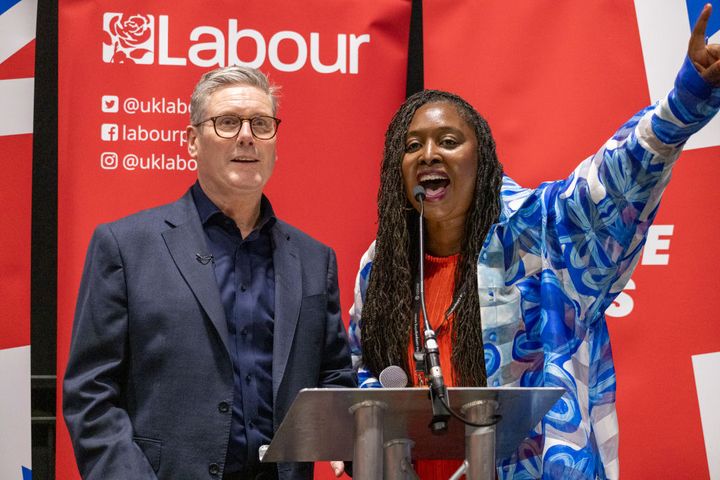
<point>419,194</point>
<point>430,354</point>
<point>438,390</point>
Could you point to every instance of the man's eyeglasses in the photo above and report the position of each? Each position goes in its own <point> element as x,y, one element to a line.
<point>228,126</point>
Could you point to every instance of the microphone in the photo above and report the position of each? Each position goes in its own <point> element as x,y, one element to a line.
<point>438,390</point>
<point>393,377</point>
<point>204,259</point>
<point>418,354</point>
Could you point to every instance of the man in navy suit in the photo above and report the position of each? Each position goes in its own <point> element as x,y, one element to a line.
<point>198,322</point>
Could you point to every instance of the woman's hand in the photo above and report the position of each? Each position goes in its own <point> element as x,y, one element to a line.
<point>706,58</point>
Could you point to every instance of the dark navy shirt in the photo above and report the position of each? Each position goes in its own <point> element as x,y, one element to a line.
<point>246,279</point>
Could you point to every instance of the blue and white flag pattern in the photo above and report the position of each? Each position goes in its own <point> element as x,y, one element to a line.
<point>17,29</point>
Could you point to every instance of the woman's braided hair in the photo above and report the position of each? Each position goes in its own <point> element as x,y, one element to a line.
<point>388,311</point>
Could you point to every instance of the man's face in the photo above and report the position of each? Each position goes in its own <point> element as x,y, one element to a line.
<point>233,166</point>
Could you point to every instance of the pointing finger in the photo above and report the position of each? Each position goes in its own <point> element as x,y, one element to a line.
<point>697,39</point>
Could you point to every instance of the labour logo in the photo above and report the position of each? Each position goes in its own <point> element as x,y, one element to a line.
<point>128,39</point>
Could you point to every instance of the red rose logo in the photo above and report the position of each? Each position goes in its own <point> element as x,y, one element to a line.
<point>129,38</point>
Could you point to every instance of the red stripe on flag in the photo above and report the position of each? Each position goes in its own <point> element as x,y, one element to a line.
<point>15,203</point>
<point>21,64</point>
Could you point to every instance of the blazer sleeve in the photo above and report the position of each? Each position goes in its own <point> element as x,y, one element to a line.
<point>93,405</point>
<point>336,369</point>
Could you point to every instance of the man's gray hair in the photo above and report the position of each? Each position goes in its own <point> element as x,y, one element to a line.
<point>228,76</point>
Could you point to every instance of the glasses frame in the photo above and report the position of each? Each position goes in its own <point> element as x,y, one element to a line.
<point>242,122</point>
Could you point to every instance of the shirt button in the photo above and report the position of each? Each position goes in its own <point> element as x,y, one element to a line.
<point>243,288</point>
<point>243,332</point>
<point>223,407</point>
<point>214,469</point>
<point>248,378</point>
<point>251,424</point>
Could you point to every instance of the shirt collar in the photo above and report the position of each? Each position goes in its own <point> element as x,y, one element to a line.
<point>208,210</point>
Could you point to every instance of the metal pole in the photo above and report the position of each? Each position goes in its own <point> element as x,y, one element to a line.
<point>460,472</point>
<point>368,448</point>
<point>480,441</point>
<point>398,460</point>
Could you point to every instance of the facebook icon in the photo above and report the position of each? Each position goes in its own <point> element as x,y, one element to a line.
<point>109,132</point>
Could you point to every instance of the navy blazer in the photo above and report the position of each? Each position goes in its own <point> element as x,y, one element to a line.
<point>148,389</point>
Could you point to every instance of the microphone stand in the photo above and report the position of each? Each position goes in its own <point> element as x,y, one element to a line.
<point>438,390</point>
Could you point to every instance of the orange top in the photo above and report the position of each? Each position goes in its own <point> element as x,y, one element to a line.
<point>439,286</point>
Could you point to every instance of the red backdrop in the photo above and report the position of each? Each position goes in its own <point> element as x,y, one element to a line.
<point>329,144</point>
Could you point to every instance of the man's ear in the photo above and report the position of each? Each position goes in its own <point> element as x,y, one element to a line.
<point>192,141</point>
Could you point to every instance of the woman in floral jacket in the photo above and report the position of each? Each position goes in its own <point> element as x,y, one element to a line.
<point>518,280</point>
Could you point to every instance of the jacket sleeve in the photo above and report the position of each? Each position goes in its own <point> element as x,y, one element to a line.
<point>365,377</point>
<point>585,233</point>
<point>93,405</point>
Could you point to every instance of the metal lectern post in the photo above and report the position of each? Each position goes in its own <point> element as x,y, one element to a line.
<point>368,448</point>
<point>480,441</point>
<point>397,464</point>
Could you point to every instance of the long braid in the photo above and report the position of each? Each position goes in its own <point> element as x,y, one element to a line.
<point>468,356</point>
<point>388,311</point>
<point>387,314</point>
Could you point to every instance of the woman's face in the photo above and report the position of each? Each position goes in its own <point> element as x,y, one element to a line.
<point>441,155</point>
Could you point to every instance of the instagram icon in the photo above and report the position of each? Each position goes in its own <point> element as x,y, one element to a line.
<point>108,160</point>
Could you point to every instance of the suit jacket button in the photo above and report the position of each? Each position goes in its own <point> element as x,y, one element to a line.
<point>223,407</point>
<point>214,469</point>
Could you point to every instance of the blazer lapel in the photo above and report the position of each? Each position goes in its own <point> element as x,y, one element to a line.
<point>185,241</point>
<point>288,295</point>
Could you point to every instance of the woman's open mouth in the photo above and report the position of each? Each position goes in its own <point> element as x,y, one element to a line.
<point>434,183</point>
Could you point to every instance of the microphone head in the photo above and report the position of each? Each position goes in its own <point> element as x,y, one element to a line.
<point>393,377</point>
<point>419,192</point>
